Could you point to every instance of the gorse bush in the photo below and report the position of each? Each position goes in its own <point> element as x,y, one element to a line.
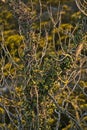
<point>43,61</point>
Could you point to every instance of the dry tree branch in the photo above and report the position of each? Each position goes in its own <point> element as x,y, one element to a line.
<point>45,47</point>
<point>6,51</point>
<point>11,119</point>
<point>66,112</point>
<point>51,12</point>
<point>82,5</point>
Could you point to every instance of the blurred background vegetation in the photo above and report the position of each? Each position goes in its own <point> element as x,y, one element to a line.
<point>43,65</point>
